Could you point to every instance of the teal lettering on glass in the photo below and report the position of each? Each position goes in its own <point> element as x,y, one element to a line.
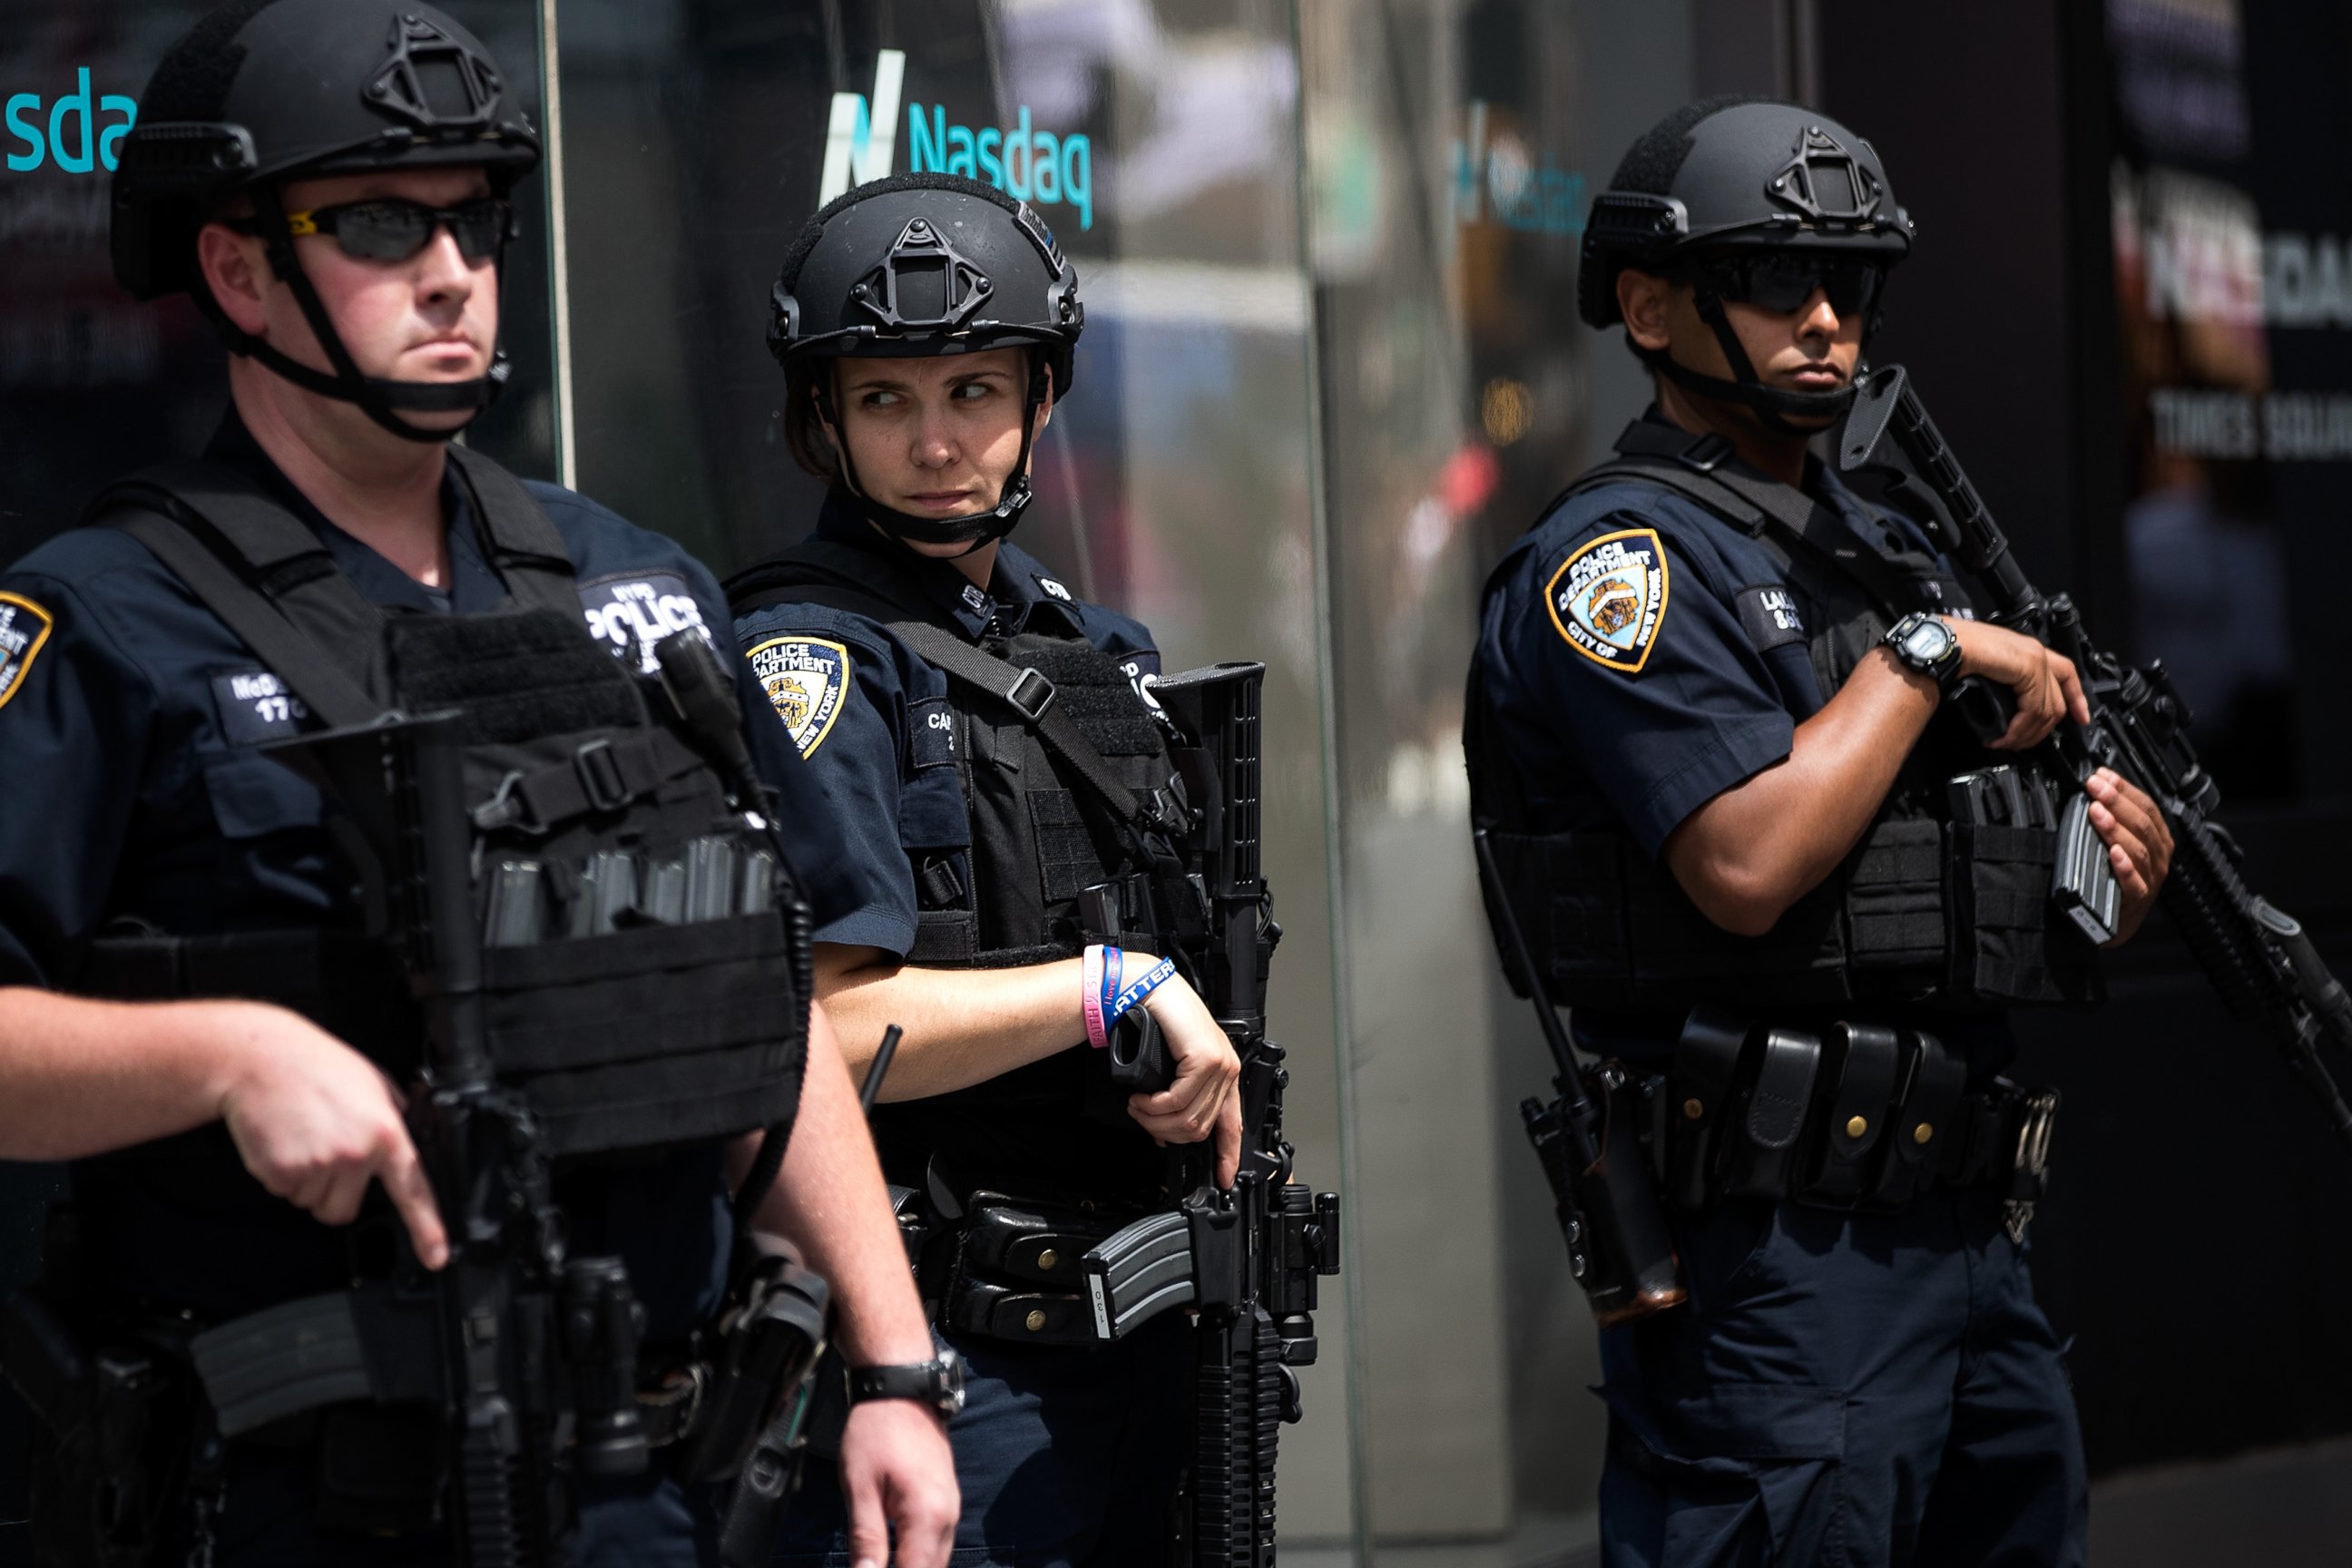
<point>1024,162</point>
<point>71,132</point>
<point>28,129</point>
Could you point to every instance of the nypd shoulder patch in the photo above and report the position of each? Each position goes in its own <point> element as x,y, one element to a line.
<point>24,628</point>
<point>1609,598</point>
<point>807,680</point>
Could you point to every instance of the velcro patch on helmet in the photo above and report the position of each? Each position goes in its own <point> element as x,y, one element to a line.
<point>1609,598</point>
<point>807,680</point>
<point>24,628</point>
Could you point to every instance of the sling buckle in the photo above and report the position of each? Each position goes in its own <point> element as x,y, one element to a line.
<point>1032,694</point>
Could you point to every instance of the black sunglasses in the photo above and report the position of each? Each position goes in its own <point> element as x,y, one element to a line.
<point>1783,282</point>
<point>392,228</point>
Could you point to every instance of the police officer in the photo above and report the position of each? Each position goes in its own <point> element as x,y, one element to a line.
<point>1751,844</point>
<point>330,181</point>
<point>921,664</point>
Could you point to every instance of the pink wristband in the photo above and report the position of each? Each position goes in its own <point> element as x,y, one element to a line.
<point>1098,985</point>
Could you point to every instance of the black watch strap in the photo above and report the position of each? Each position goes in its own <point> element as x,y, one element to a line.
<point>937,1382</point>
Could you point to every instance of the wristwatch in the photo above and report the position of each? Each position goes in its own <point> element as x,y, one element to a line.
<point>937,1382</point>
<point>1926,644</point>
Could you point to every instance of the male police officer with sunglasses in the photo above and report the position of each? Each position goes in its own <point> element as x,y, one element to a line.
<point>193,1012</point>
<point>1749,844</point>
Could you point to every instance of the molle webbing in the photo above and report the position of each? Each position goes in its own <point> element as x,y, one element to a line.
<point>1616,932</point>
<point>665,1017</point>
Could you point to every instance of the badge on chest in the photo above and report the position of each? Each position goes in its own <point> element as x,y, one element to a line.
<point>1609,598</point>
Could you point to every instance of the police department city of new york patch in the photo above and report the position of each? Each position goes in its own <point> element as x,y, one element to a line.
<point>1609,599</point>
<point>805,678</point>
<point>23,627</point>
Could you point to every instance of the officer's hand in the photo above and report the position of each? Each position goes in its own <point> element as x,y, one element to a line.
<point>2138,841</point>
<point>2044,683</point>
<point>314,1122</point>
<point>899,1476</point>
<point>1204,1096</point>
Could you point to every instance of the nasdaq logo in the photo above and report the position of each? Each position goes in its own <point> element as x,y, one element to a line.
<point>69,131</point>
<point>1027,163</point>
<point>859,141</point>
<point>1501,180</point>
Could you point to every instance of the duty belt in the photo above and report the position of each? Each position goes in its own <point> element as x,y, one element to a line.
<point>1853,1116</point>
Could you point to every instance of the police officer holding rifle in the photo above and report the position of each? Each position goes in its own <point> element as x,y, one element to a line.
<point>1740,828</point>
<point>1044,925</point>
<point>400,935</point>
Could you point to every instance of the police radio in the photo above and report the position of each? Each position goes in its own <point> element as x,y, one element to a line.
<point>1589,1142</point>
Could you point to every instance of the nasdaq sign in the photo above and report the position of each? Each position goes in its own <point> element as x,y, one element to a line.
<point>1025,162</point>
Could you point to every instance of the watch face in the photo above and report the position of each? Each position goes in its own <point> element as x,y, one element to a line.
<point>1928,641</point>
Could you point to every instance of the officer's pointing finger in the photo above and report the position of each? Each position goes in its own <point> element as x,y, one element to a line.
<point>2070,682</point>
<point>404,1182</point>
<point>1229,1142</point>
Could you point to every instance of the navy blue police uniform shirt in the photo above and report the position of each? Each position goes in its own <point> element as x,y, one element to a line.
<point>130,719</point>
<point>874,721</point>
<point>1639,656</point>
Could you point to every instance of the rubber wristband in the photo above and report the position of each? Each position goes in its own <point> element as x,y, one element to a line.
<point>1132,997</point>
<point>1097,964</point>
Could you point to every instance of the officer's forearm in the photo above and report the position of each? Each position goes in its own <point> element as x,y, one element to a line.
<point>830,1203</point>
<point>1757,847</point>
<point>963,1026</point>
<point>79,1076</point>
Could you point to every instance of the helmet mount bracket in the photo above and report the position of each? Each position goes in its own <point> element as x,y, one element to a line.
<point>424,58</point>
<point>1825,182</point>
<point>923,285</point>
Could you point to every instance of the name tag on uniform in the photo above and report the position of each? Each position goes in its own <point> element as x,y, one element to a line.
<point>631,612</point>
<point>256,705</point>
<point>1769,616</point>
<point>931,732</point>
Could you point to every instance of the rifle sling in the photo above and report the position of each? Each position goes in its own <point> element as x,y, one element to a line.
<point>1699,470</point>
<point>1002,680</point>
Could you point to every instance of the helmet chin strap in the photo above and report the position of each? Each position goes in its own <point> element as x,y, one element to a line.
<point>380,398</point>
<point>1774,407</point>
<point>974,532</point>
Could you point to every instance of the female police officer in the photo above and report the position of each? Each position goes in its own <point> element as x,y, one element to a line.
<point>328,180</point>
<point>1751,846</point>
<point>925,324</point>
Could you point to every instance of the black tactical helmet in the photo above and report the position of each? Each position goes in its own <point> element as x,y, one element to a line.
<point>260,92</point>
<point>1731,176</point>
<point>929,264</point>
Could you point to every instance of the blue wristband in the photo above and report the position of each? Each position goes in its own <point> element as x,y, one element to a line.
<point>1126,1001</point>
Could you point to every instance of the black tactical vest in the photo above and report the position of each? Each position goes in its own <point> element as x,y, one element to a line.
<point>644,948</point>
<point>1057,859</point>
<point>1945,901</point>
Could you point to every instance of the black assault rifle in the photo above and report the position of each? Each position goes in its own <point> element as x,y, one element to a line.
<point>1246,1260</point>
<point>2257,956</point>
<point>507,1289</point>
